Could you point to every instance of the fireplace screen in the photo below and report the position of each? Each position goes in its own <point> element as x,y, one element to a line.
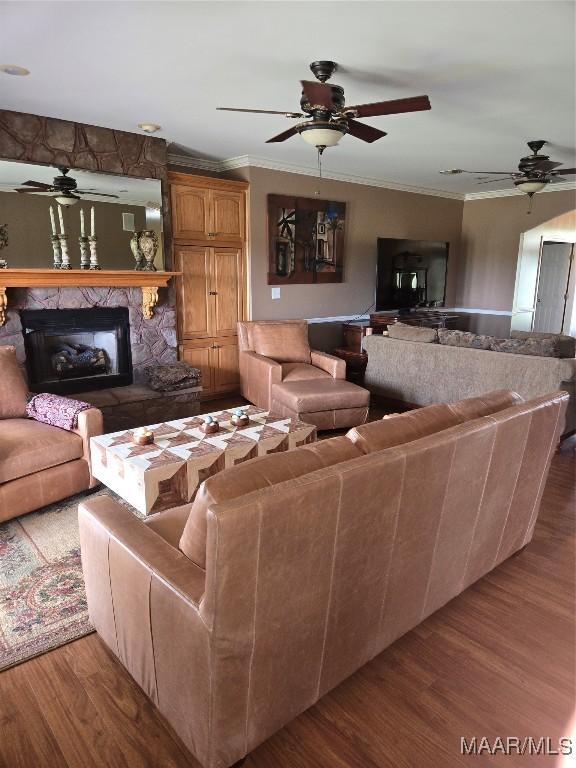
<point>77,350</point>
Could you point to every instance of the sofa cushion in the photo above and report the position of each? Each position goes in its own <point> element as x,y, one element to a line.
<point>405,427</point>
<point>412,333</point>
<point>536,347</point>
<point>254,475</point>
<point>283,342</point>
<point>302,371</point>
<point>13,386</point>
<point>313,395</point>
<point>28,446</point>
<point>565,345</point>
<point>464,339</point>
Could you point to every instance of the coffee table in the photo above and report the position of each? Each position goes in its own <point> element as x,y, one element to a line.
<point>168,472</point>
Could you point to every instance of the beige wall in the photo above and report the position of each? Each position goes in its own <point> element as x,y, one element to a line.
<point>491,234</point>
<point>371,212</point>
<point>29,231</point>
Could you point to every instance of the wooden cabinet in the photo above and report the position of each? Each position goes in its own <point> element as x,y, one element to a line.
<point>209,231</point>
<point>208,210</point>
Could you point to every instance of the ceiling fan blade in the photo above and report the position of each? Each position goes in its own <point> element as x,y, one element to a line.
<point>556,179</point>
<point>545,165</point>
<point>283,136</point>
<point>491,181</point>
<point>393,107</point>
<point>260,111</point>
<point>26,189</point>
<point>364,132</point>
<point>40,184</point>
<point>98,194</point>
<point>318,94</point>
<point>566,170</point>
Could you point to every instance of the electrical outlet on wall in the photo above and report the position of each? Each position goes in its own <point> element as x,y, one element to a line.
<point>275,293</point>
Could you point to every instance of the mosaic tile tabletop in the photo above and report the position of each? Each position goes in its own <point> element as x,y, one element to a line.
<point>168,472</point>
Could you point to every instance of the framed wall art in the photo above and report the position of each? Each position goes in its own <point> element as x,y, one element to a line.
<point>306,240</point>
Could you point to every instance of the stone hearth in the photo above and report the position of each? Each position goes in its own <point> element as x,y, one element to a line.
<point>152,341</point>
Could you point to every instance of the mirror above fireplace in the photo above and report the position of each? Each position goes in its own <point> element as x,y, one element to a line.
<point>118,206</point>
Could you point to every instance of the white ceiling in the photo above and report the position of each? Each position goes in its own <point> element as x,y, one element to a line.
<point>497,73</point>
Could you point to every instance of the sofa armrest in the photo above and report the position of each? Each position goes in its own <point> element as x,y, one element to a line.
<point>335,366</point>
<point>257,375</point>
<point>89,425</point>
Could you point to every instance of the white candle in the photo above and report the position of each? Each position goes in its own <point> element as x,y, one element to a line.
<point>62,230</point>
<point>92,222</point>
<point>82,231</point>
<point>52,220</point>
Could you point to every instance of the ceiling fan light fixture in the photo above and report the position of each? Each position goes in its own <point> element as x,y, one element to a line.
<point>321,134</point>
<point>149,127</point>
<point>66,200</point>
<point>14,69</point>
<point>531,186</point>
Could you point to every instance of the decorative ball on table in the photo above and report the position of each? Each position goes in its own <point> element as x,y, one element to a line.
<point>210,425</point>
<point>143,436</point>
<point>239,418</point>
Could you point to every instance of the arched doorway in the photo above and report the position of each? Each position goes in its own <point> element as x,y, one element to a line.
<point>544,297</point>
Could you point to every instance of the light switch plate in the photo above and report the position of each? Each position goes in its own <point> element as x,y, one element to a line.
<point>275,293</point>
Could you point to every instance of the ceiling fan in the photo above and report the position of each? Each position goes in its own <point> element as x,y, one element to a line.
<point>64,186</point>
<point>534,172</point>
<point>328,118</point>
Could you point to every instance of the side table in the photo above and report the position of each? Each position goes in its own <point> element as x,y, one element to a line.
<point>356,362</point>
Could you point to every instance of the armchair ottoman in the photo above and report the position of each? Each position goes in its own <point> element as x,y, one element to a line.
<point>39,463</point>
<point>279,372</point>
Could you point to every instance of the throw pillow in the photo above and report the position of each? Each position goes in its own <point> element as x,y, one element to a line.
<point>535,347</point>
<point>13,386</point>
<point>282,342</point>
<point>565,345</point>
<point>412,333</point>
<point>464,339</point>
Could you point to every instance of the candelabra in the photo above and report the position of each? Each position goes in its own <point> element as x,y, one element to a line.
<point>57,251</point>
<point>93,240</point>
<point>65,256</point>
<point>84,252</point>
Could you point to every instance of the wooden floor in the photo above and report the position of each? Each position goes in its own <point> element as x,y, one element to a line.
<point>496,661</point>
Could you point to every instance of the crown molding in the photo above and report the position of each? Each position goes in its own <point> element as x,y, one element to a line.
<point>561,186</point>
<point>255,161</point>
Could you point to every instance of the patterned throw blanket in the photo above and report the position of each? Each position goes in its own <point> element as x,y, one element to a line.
<point>56,410</point>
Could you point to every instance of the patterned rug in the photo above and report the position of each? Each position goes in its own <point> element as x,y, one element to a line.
<point>42,598</point>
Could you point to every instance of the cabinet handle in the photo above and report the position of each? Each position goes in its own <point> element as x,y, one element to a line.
<point>212,293</point>
<point>214,346</point>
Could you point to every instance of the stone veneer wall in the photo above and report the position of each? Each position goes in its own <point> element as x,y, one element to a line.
<point>153,341</point>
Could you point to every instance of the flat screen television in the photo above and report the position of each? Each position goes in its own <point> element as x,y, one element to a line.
<point>411,273</point>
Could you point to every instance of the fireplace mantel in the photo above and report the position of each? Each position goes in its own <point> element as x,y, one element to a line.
<point>149,282</point>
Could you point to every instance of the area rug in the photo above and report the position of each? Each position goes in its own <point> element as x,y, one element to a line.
<point>42,597</point>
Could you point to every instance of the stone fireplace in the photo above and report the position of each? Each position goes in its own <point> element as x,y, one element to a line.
<point>151,341</point>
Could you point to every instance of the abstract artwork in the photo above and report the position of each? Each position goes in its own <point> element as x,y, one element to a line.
<point>306,240</point>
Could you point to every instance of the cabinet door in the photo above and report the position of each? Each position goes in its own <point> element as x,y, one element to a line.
<point>228,216</point>
<point>195,305</point>
<point>199,355</point>
<point>227,290</point>
<point>225,364</point>
<point>190,212</point>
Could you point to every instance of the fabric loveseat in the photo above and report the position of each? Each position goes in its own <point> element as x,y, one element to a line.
<point>279,372</point>
<point>290,571</point>
<point>39,463</point>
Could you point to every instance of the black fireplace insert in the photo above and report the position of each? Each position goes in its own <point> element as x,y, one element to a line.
<point>77,350</point>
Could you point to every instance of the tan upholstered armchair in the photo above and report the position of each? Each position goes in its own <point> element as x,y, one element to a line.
<point>39,463</point>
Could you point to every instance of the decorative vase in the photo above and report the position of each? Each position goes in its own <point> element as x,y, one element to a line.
<point>143,436</point>
<point>210,425</point>
<point>144,246</point>
<point>239,418</point>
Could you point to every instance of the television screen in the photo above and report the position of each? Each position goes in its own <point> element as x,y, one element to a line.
<point>411,273</point>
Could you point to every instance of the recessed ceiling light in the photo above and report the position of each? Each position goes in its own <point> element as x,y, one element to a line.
<point>149,127</point>
<point>13,69</point>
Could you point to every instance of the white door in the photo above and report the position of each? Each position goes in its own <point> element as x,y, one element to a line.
<point>552,291</point>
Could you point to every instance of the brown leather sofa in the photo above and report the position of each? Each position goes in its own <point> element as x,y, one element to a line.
<point>39,463</point>
<point>314,561</point>
<point>279,371</point>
